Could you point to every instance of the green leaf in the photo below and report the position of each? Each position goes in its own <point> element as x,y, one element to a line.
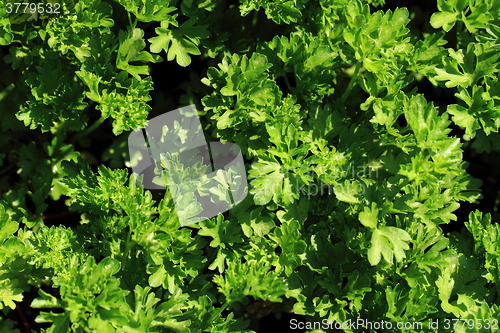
<point>464,119</point>
<point>445,284</point>
<point>479,18</point>
<point>422,117</point>
<point>222,231</point>
<point>92,81</point>
<point>369,216</point>
<point>388,242</point>
<point>269,184</point>
<point>446,20</point>
<point>348,191</point>
<point>180,42</point>
<point>7,226</point>
<point>9,293</point>
<point>126,102</point>
<point>149,10</point>
<point>253,278</point>
<point>158,277</point>
<point>278,11</point>
<point>132,49</point>
<point>256,222</point>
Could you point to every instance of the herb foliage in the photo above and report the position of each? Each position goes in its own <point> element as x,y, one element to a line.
<point>328,106</point>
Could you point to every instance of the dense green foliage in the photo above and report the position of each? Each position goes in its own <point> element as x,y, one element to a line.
<point>352,171</point>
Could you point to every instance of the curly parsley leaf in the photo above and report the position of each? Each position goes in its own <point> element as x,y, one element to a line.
<point>132,49</point>
<point>389,243</point>
<point>179,42</point>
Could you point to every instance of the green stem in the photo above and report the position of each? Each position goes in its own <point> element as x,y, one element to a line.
<point>129,245</point>
<point>88,130</point>
<point>132,24</point>
<point>219,311</point>
<point>347,92</point>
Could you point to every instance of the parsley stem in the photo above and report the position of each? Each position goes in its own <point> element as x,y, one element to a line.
<point>88,130</point>
<point>132,25</point>
<point>347,92</point>
<point>218,312</point>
